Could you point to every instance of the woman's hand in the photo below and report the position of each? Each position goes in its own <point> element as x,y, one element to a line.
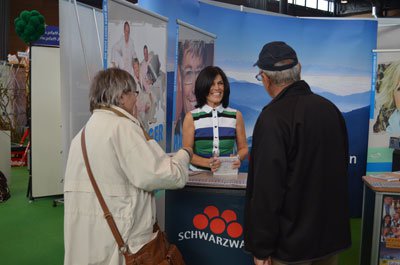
<point>215,163</point>
<point>236,163</point>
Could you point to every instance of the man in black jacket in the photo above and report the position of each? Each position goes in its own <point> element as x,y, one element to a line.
<point>296,208</point>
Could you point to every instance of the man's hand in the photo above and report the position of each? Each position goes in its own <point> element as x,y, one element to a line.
<point>262,261</point>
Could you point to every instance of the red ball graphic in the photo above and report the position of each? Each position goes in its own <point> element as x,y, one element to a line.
<point>211,211</point>
<point>229,216</point>
<point>234,230</point>
<point>217,226</point>
<point>200,221</point>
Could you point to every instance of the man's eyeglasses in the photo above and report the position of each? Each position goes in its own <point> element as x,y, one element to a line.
<point>259,76</point>
<point>136,92</point>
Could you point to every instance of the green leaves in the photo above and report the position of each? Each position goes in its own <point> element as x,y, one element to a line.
<point>29,25</point>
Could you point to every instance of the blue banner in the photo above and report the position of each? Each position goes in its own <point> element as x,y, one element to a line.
<point>51,37</point>
<point>335,54</point>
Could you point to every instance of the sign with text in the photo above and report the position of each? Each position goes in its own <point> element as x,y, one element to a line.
<point>207,225</point>
<point>51,37</point>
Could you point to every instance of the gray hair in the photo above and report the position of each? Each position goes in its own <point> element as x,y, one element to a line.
<point>108,86</point>
<point>283,77</point>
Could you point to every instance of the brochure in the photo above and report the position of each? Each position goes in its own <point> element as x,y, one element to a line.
<point>226,166</point>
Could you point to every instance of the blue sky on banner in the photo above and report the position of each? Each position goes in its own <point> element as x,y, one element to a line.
<point>328,49</point>
<point>336,57</point>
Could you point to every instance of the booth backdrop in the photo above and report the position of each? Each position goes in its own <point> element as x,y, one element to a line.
<point>336,58</point>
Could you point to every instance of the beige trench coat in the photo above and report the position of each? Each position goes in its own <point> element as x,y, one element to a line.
<point>127,169</point>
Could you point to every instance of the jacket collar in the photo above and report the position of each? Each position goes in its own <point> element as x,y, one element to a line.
<point>117,111</point>
<point>296,88</point>
<point>207,109</point>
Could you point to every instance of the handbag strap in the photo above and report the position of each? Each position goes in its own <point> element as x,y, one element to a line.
<point>123,248</point>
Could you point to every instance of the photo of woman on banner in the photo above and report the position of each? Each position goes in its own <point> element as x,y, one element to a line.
<point>193,56</point>
<point>388,99</point>
<point>123,52</point>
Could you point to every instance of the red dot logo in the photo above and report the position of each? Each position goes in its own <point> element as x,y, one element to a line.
<point>229,216</point>
<point>234,230</point>
<point>217,226</point>
<point>200,221</point>
<point>211,211</point>
<point>217,223</point>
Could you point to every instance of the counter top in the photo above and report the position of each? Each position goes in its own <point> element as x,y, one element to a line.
<point>382,185</point>
<point>206,179</point>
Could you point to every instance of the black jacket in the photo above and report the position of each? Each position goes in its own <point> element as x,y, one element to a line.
<point>297,196</point>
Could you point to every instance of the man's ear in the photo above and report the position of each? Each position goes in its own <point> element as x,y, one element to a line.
<point>264,76</point>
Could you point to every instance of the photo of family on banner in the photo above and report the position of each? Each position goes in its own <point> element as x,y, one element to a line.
<point>137,43</point>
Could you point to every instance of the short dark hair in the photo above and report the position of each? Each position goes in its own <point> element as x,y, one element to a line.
<point>204,82</point>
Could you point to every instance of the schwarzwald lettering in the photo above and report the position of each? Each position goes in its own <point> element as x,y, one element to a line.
<point>225,242</point>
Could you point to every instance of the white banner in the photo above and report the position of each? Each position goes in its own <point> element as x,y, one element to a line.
<point>136,41</point>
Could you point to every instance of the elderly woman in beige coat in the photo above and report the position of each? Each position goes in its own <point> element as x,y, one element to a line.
<point>127,166</point>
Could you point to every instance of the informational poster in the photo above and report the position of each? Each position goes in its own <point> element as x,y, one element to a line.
<point>195,50</point>
<point>385,100</point>
<point>389,243</point>
<point>136,41</point>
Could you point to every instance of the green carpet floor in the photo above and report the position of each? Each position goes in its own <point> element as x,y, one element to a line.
<point>32,232</point>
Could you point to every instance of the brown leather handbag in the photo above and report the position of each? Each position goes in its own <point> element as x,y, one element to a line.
<point>156,252</point>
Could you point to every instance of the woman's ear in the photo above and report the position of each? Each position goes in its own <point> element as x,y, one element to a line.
<point>122,100</point>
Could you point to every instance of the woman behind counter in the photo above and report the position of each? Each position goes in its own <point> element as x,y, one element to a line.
<point>127,167</point>
<point>213,129</point>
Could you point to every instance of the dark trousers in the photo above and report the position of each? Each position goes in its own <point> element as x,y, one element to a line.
<point>331,260</point>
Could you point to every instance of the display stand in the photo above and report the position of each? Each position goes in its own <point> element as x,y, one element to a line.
<point>373,244</point>
<point>13,114</point>
<point>205,220</point>
<point>46,171</point>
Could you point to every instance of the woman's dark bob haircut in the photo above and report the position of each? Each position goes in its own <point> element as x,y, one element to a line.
<point>204,82</point>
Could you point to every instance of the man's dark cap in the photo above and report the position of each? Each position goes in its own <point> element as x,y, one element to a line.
<point>273,53</point>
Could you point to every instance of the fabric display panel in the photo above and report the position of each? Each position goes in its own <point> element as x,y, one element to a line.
<point>136,40</point>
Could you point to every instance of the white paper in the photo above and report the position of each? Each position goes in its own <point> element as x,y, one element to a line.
<point>226,167</point>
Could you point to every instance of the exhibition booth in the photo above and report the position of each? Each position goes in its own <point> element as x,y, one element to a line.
<point>343,60</point>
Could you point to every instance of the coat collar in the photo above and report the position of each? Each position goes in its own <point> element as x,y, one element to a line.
<point>296,88</point>
<point>118,111</point>
<point>207,109</point>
